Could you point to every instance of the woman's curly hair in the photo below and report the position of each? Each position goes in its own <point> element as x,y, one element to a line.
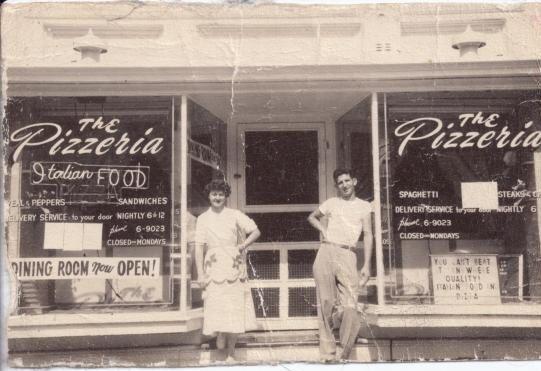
<point>218,185</point>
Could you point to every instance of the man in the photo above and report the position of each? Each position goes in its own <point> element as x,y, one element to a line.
<point>335,267</point>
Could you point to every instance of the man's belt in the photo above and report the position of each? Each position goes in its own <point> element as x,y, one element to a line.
<point>345,247</point>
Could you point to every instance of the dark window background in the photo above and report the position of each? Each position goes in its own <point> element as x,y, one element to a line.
<point>300,263</point>
<point>361,164</point>
<point>266,302</point>
<point>263,265</point>
<point>281,167</point>
<point>283,227</point>
<point>302,302</point>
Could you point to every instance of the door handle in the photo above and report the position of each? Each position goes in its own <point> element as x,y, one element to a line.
<point>237,176</point>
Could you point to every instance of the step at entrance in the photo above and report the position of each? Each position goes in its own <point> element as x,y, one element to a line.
<point>288,346</point>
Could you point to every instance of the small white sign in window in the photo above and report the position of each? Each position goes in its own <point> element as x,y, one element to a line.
<point>479,195</point>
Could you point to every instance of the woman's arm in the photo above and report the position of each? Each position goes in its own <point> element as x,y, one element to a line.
<point>250,239</point>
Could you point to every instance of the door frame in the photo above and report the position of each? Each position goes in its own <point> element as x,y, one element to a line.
<point>284,322</point>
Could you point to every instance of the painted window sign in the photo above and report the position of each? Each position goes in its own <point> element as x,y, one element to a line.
<point>469,131</point>
<point>85,268</point>
<point>466,188</point>
<point>462,181</point>
<point>91,182</point>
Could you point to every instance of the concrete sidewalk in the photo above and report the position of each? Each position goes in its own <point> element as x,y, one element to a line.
<point>288,347</point>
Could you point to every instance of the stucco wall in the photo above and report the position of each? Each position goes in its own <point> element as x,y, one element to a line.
<point>175,35</point>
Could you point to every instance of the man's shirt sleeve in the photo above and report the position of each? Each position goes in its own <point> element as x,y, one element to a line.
<point>324,208</point>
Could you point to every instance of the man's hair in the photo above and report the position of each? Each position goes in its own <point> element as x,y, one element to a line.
<point>341,171</point>
<point>218,185</point>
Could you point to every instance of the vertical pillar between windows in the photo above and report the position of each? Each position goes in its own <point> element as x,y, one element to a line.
<point>183,203</point>
<point>380,270</point>
<point>13,233</point>
<point>537,171</point>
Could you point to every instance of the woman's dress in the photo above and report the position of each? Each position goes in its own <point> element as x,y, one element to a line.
<point>228,303</point>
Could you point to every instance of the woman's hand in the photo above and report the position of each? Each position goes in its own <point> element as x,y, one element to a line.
<point>199,284</point>
<point>242,247</point>
<point>324,235</point>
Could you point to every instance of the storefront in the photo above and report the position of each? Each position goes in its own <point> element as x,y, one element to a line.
<point>110,147</point>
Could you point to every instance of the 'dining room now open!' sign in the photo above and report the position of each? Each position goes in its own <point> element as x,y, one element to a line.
<point>29,269</point>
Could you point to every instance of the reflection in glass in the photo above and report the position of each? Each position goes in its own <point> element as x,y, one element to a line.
<point>361,164</point>
<point>206,161</point>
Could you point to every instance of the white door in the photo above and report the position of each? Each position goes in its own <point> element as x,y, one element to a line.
<point>281,179</point>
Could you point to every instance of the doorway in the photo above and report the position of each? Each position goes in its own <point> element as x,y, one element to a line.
<point>281,180</point>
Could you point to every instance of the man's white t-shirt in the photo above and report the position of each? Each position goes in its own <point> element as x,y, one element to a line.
<point>345,219</point>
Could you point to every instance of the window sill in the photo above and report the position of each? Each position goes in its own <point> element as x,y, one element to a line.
<point>97,324</point>
<point>441,316</point>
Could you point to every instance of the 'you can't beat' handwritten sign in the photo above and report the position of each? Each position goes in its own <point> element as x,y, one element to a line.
<point>465,279</point>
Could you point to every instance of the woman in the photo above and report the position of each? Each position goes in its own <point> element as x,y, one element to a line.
<point>228,308</point>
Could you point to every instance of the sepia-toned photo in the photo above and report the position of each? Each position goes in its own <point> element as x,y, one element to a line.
<point>246,183</point>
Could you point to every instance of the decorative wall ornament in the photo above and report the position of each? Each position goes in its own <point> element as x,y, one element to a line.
<point>469,42</point>
<point>90,46</point>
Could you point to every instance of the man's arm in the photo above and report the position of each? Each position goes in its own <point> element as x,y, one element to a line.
<point>367,246</point>
<point>314,220</point>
